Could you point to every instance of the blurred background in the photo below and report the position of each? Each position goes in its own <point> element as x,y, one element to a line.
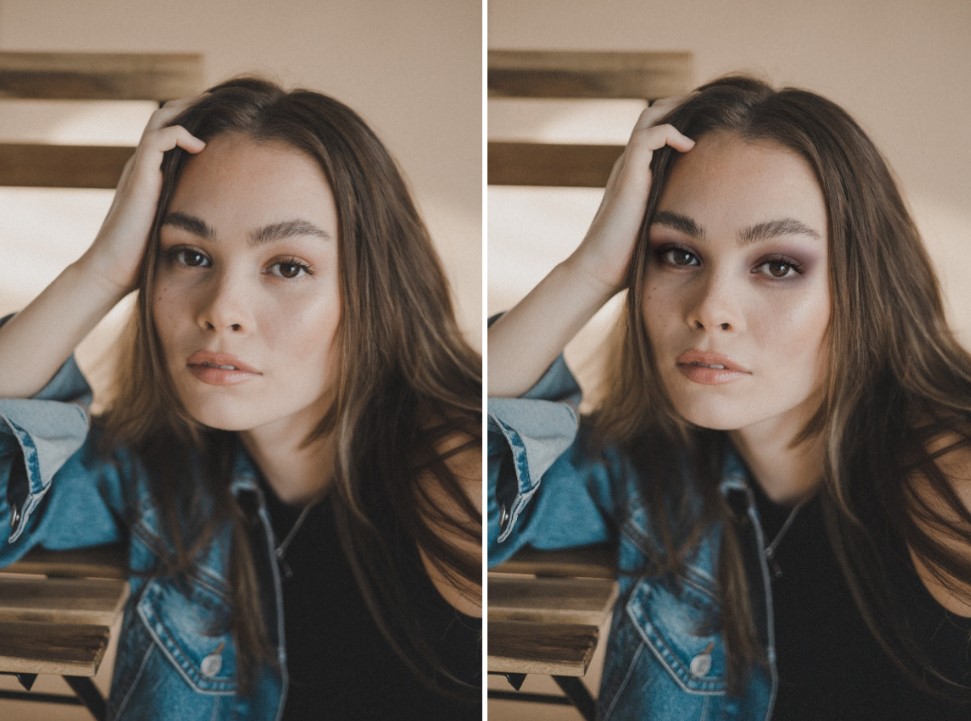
<point>901,68</point>
<point>411,69</point>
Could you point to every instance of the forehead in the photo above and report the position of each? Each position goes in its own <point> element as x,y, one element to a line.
<point>729,181</point>
<point>239,180</point>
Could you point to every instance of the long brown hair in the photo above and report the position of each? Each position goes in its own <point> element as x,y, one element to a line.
<point>407,396</point>
<point>897,389</point>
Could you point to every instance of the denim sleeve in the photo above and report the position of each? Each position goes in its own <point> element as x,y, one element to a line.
<point>55,490</point>
<point>537,440</point>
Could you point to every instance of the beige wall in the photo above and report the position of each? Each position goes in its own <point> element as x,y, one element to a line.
<point>902,68</point>
<point>412,69</point>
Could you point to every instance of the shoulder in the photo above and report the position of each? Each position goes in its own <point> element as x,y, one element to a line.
<point>452,511</point>
<point>942,511</point>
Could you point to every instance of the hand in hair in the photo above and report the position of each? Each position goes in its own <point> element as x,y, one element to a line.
<point>606,250</point>
<point>116,254</point>
<point>524,342</point>
<point>35,342</point>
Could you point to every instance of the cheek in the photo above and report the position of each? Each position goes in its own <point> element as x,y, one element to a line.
<point>164,311</point>
<point>305,330</point>
<point>658,309</point>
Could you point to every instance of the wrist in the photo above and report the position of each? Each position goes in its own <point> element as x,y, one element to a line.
<point>95,277</point>
<point>583,275</point>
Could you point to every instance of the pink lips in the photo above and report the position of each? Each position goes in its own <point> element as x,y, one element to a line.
<point>220,369</point>
<point>710,368</point>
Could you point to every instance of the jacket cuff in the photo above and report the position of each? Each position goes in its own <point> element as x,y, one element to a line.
<point>526,436</point>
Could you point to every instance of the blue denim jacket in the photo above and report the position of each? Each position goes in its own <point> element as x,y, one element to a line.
<point>176,657</point>
<point>663,660</point>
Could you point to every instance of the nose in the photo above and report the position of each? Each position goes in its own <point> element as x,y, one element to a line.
<point>223,306</point>
<point>714,305</point>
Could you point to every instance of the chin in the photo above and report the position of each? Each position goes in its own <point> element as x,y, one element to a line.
<point>220,417</point>
<point>713,416</point>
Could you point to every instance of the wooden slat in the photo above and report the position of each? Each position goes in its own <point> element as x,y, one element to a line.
<point>588,562</point>
<point>100,76</point>
<point>556,649</point>
<point>61,600</point>
<point>61,166</point>
<point>63,649</point>
<point>550,600</point>
<point>552,165</point>
<point>100,562</point>
<point>541,74</point>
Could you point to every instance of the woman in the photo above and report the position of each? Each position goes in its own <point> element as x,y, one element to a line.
<point>291,449</point>
<point>782,450</point>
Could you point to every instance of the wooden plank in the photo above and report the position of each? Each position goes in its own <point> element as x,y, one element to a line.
<point>588,562</point>
<point>555,650</point>
<point>62,649</point>
<point>100,76</point>
<point>552,165</point>
<point>62,166</point>
<point>99,562</point>
<point>585,601</point>
<point>61,600</point>
<point>544,74</point>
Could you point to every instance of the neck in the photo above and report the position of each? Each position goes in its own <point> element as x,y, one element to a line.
<point>787,473</point>
<point>297,473</point>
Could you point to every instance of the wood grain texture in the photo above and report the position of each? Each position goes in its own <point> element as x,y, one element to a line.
<point>554,649</point>
<point>588,562</point>
<point>63,649</point>
<point>585,601</point>
<point>61,600</point>
<point>551,165</point>
<point>546,74</point>
<point>62,166</point>
<point>99,562</point>
<point>100,76</point>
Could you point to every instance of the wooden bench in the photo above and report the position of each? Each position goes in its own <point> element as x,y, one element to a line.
<point>85,76</point>
<point>576,76</point>
<point>56,614</point>
<point>545,613</point>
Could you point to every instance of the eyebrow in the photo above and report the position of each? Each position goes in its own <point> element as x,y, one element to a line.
<point>266,234</point>
<point>752,234</point>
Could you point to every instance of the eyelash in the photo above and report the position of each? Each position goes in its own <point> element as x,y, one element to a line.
<point>179,256</point>
<point>302,268</point>
<point>662,254</point>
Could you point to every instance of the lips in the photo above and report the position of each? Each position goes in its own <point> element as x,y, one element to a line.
<point>220,369</point>
<point>710,368</point>
<point>222,361</point>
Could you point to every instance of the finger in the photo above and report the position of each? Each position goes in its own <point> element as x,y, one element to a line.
<point>658,109</point>
<point>634,172</point>
<point>656,137</point>
<point>148,156</point>
<point>171,110</point>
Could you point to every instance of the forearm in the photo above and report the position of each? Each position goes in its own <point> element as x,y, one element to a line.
<point>527,339</point>
<point>37,341</point>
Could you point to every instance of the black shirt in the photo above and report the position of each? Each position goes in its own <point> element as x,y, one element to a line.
<point>830,666</point>
<point>339,664</point>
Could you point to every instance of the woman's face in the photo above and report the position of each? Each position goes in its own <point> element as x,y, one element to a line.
<point>247,292</point>
<point>736,296</point>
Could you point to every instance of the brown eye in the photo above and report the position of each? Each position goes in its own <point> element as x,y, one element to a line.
<point>678,256</point>
<point>189,257</point>
<point>778,268</point>
<point>290,269</point>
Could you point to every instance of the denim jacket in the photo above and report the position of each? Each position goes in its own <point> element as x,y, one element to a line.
<point>176,658</point>
<point>664,661</point>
